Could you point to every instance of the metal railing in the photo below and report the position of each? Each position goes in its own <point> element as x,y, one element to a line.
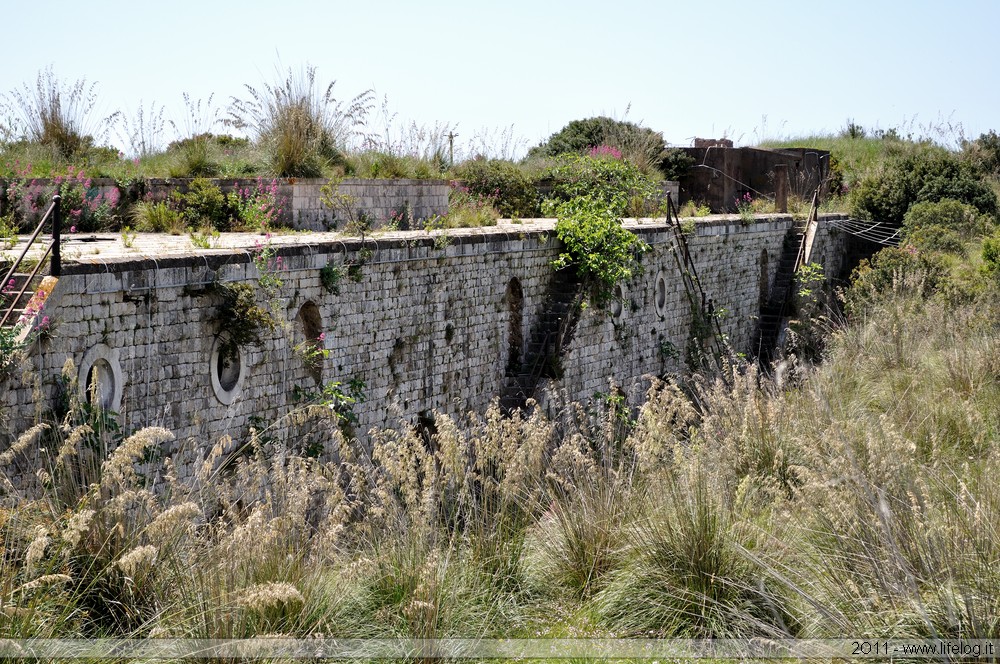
<point>700,303</point>
<point>53,248</point>
<point>808,234</point>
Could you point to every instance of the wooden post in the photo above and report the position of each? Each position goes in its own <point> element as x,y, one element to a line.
<point>781,187</point>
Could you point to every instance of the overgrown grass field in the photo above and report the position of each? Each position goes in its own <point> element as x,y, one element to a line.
<point>858,502</point>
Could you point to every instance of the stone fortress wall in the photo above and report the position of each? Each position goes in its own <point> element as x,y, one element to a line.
<point>381,201</point>
<point>425,324</point>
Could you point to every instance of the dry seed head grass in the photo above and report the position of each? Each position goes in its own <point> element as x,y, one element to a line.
<point>663,426</point>
<point>71,444</point>
<point>138,562</point>
<point>77,527</point>
<point>208,467</point>
<point>745,432</point>
<point>406,485</point>
<point>36,550</point>
<point>26,440</point>
<point>174,523</point>
<point>131,505</point>
<point>572,464</point>
<point>422,611</point>
<point>118,470</point>
<point>266,597</point>
<point>888,523</point>
<point>45,581</point>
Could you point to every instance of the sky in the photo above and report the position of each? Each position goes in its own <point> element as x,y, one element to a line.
<point>505,76</point>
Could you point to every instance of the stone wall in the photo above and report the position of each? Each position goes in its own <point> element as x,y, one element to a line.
<point>721,175</point>
<point>422,322</point>
<point>382,202</point>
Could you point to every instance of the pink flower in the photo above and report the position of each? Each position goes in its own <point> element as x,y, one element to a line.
<point>72,229</point>
<point>321,337</point>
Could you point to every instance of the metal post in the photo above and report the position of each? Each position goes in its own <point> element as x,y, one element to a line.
<point>56,267</point>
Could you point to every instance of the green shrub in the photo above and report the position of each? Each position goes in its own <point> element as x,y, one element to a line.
<point>331,276</point>
<point>242,321</point>
<point>595,243</point>
<point>944,226</point>
<point>85,208</point>
<point>962,219</point>
<point>8,231</point>
<point>676,164</point>
<point>936,237</point>
<point>511,191</point>
<point>10,349</point>
<point>193,158</point>
<point>204,203</point>
<point>302,127</point>
<point>257,208</point>
<point>54,114</point>
<point>375,165</point>
<point>589,197</point>
<point>465,210</point>
<point>641,146</point>
<point>615,183</point>
<point>157,217</point>
<point>887,194</point>
<point>991,254</point>
<point>207,155</point>
<point>984,153</point>
<point>581,135</point>
<point>692,209</point>
<point>893,270</point>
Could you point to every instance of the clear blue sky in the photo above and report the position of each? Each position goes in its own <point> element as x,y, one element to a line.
<point>736,68</point>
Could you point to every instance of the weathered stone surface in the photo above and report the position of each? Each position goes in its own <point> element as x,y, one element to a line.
<point>422,328</point>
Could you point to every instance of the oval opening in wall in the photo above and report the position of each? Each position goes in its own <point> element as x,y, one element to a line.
<point>100,378</point>
<point>617,302</point>
<point>227,370</point>
<point>660,293</point>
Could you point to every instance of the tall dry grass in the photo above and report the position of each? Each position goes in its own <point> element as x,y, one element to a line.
<point>858,502</point>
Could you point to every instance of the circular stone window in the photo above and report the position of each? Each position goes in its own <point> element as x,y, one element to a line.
<point>227,369</point>
<point>309,339</point>
<point>660,293</point>
<point>618,302</point>
<point>100,378</point>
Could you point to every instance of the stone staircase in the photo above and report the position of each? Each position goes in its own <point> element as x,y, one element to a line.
<point>775,311</point>
<point>553,328</point>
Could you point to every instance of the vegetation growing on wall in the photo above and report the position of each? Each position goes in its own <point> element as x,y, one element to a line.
<point>639,145</point>
<point>241,320</point>
<point>511,191</point>
<point>296,127</point>
<point>301,125</point>
<point>55,115</point>
<point>589,199</point>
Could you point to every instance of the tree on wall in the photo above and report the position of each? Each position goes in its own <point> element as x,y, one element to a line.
<point>640,145</point>
<point>581,135</point>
